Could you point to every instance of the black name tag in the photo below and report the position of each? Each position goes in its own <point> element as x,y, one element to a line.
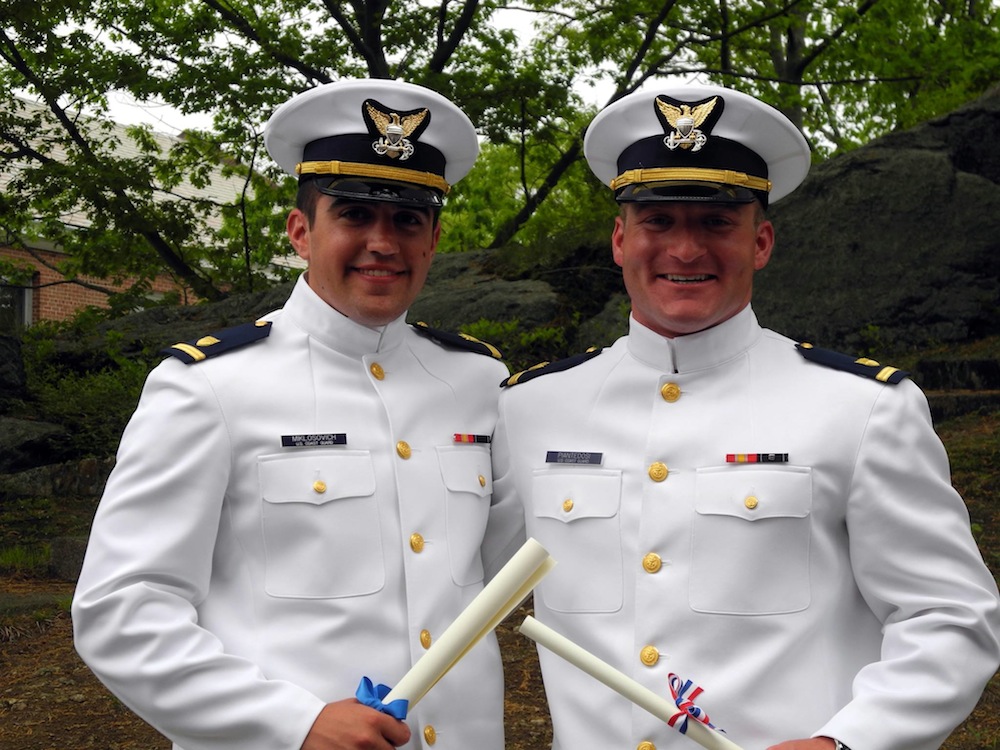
<point>574,457</point>
<point>311,441</point>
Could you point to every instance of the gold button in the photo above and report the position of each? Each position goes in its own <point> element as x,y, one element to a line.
<point>652,562</point>
<point>482,481</point>
<point>425,638</point>
<point>751,502</point>
<point>403,449</point>
<point>416,543</point>
<point>377,372</point>
<point>670,392</point>
<point>430,736</point>
<point>658,471</point>
<point>645,746</point>
<point>567,505</point>
<point>649,655</point>
<point>319,486</point>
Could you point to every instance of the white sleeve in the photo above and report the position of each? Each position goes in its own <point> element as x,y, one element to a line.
<point>147,568</point>
<point>919,569</point>
<point>505,530</point>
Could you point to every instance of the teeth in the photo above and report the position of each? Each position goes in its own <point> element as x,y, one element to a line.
<point>683,279</point>
<point>365,272</point>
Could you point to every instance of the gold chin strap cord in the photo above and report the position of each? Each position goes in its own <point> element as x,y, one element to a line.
<point>696,174</point>
<point>351,169</point>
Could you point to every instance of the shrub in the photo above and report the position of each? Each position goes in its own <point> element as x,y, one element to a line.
<point>92,404</point>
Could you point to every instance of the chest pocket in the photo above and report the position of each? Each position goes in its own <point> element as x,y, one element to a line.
<point>468,480</point>
<point>575,516</point>
<point>320,525</point>
<point>751,538</point>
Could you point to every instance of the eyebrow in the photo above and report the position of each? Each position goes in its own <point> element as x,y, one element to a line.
<point>709,207</point>
<point>339,200</point>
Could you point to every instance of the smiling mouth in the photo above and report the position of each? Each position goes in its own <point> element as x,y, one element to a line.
<point>679,279</point>
<point>378,273</point>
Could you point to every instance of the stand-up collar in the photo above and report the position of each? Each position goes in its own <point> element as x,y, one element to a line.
<point>696,351</point>
<point>312,314</point>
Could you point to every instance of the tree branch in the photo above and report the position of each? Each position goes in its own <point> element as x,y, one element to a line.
<point>247,29</point>
<point>124,204</point>
<point>446,47</point>
<point>506,232</point>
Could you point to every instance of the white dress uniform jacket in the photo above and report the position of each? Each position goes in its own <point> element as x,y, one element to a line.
<point>233,585</point>
<point>838,593</point>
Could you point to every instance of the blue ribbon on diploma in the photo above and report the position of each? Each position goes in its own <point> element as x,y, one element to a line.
<point>372,695</point>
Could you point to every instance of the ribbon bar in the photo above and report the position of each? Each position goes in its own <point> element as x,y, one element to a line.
<point>756,458</point>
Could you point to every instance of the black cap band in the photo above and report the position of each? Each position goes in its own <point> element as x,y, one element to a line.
<point>357,147</point>
<point>717,154</point>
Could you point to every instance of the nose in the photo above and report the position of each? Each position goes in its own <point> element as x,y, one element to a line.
<point>685,244</point>
<point>382,237</point>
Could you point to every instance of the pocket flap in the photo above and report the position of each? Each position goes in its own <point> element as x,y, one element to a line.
<point>466,468</point>
<point>754,495</point>
<point>570,495</point>
<point>316,478</point>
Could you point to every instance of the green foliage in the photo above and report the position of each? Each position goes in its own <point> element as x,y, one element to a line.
<point>872,341</point>
<point>973,443</point>
<point>20,560</point>
<point>521,348</point>
<point>26,526</point>
<point>93,406</point>
<point>846,72</point>
<point>92,403</point>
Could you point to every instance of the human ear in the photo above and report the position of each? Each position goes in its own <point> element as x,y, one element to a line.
<point>297,229</point>
<point>618,240</point>
<point>763,244</point>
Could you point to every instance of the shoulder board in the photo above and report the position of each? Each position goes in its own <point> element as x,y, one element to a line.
<point>457,340</point>
<point>861,366</point>
<point>219,342</point>
<point>544,368</point>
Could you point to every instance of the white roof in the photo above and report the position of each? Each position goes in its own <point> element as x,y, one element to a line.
<point>219,189</point>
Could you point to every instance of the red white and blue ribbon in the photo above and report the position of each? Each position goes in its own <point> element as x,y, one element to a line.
<point>372,696</point>
<point>684,692</point>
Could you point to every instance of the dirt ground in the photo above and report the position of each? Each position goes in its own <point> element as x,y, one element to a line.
<point>49,700</point>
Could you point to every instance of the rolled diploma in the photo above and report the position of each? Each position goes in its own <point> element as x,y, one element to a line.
<point>501,596</point>
<point>660,707</point>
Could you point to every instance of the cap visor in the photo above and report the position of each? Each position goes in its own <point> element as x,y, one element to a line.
<point>694,192</point>
<point>383,191</point>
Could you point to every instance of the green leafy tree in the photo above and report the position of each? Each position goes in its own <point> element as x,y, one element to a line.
<point>844,71</point>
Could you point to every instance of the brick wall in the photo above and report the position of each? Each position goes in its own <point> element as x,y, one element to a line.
<point>52,300</point>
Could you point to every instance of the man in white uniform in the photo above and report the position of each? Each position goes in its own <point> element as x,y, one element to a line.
<point>770,521</point>
<point>302,501</point>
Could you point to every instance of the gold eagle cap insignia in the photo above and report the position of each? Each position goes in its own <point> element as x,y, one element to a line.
<point>395,130</point>
<point>407,124</point>
<point>697,115</point>
<point>685,120</point>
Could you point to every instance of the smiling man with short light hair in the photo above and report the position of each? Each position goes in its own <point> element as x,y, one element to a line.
<point>768,519</point>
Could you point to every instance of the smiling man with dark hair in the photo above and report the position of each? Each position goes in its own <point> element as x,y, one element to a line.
<point>295,505</point>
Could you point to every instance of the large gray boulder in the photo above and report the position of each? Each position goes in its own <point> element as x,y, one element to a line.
<point>461,290</point>
<point>896,245</point>
<point>25,443</point>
